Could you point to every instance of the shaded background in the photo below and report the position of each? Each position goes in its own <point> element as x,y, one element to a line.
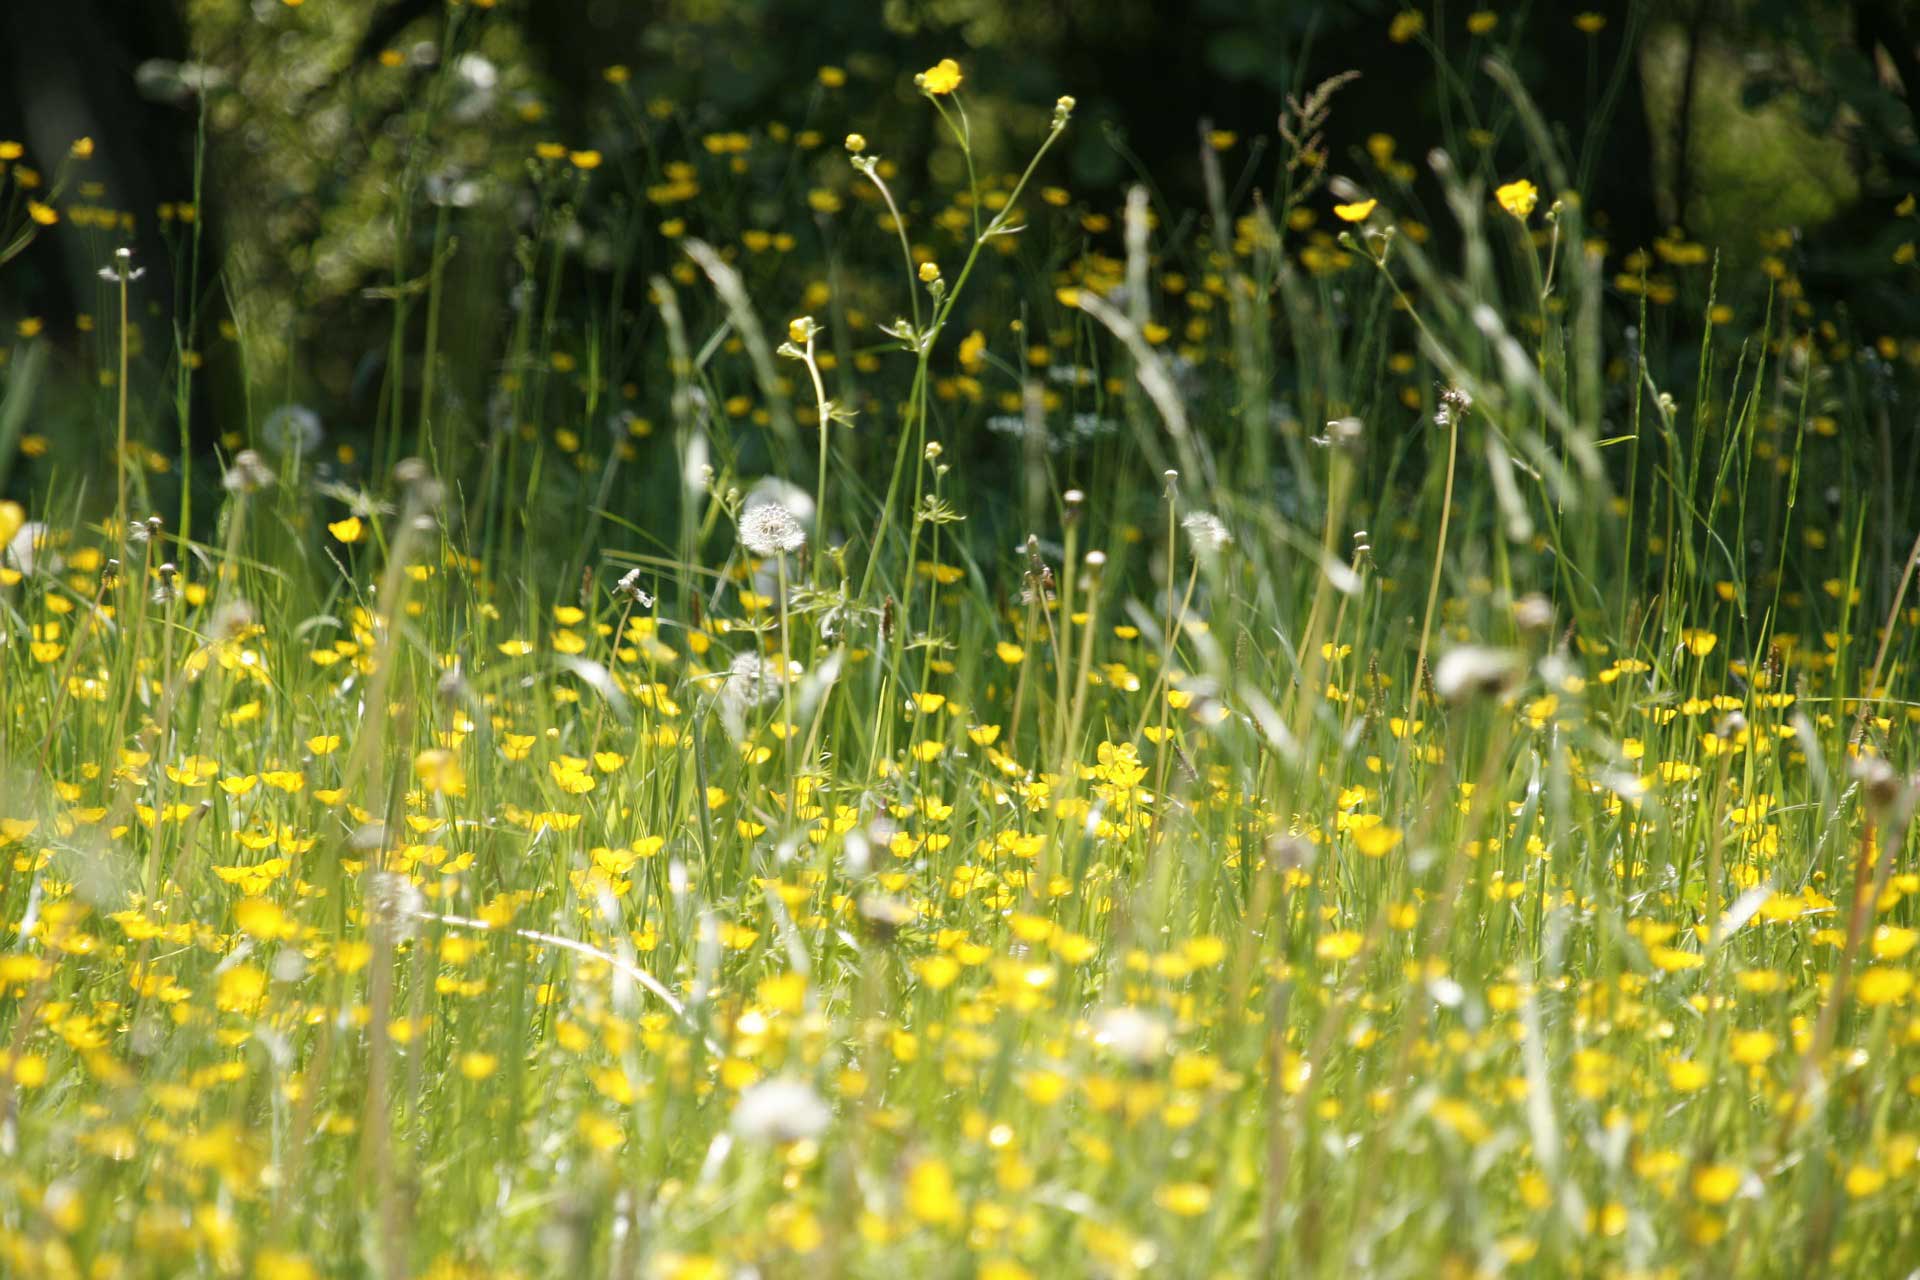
<point>334,134</point>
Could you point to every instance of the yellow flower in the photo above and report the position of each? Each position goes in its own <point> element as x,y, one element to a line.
<point>1359,211</point>
<point>1406,24</point>
<point>1590,22</point>
<point>1341,945</point>
<point>352,529</point>
<point>832,77</point>
<point>1715,1183</point>
<point>1686,1075</point>
<point>272,1264</point>
<point>1518,197</point>
<point>1184,1199</point>
<point>929,272</point>
<point>1698,642</point>
<point>1864,1180</point>
<point>478,1066</point>
<point>1483,21</point>
<point>1890,942</point>
<point>42,213</point>
<point>941,78</point>
<point>1672,960</point>
<point>1003,1269</point>
<point>584,159</point>
<point>573,781</point>
<point>263,919</point>
<point>938,972</point>
<point>931,1197</point>
<point>1881,985</point>
<point>1751,1048</point>
<point>439,771</point>
<point>973,350</point>
<point>1376,840</point>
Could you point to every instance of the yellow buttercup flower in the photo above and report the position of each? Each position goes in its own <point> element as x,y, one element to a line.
<point>1518,197</point>
<point>1716,1183</point>
<point>941,78</point>
<point>1358,211</point>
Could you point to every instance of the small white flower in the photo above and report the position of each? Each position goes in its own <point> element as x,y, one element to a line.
<point>769,529</point>
<point>780,1111</point>
<point>121,268</point>
<point>1455,404</point>
<point>629,588</point>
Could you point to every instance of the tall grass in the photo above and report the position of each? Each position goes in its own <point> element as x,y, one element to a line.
<point>1269,742</point>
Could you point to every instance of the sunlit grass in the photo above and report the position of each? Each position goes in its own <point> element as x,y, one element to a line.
<point>1276,749</point>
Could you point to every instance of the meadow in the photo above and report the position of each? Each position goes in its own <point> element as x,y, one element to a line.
<point>966,732</point>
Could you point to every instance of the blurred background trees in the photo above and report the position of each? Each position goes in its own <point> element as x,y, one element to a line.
<point>291,170</point>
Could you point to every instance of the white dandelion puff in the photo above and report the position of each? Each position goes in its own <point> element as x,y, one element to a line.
<point>292,428</point>
<point>1130,1034</point>
<point>1207,531</point>
<point>1474,671</point>
<point>777,1111</point>
<point>769,529</point>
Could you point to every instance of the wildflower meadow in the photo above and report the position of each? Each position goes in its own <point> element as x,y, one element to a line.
<point>677,694</point>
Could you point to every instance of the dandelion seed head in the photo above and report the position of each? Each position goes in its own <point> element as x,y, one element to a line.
<point>780,1111</point>
<point>1207,531</point>
<point>769,529</point>
<point>292,428</point>
<point>1131,1034</point>
<point>249,473</point>
<point>751,681</point>
<point>396,901</point>
<point>1474,671</point>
